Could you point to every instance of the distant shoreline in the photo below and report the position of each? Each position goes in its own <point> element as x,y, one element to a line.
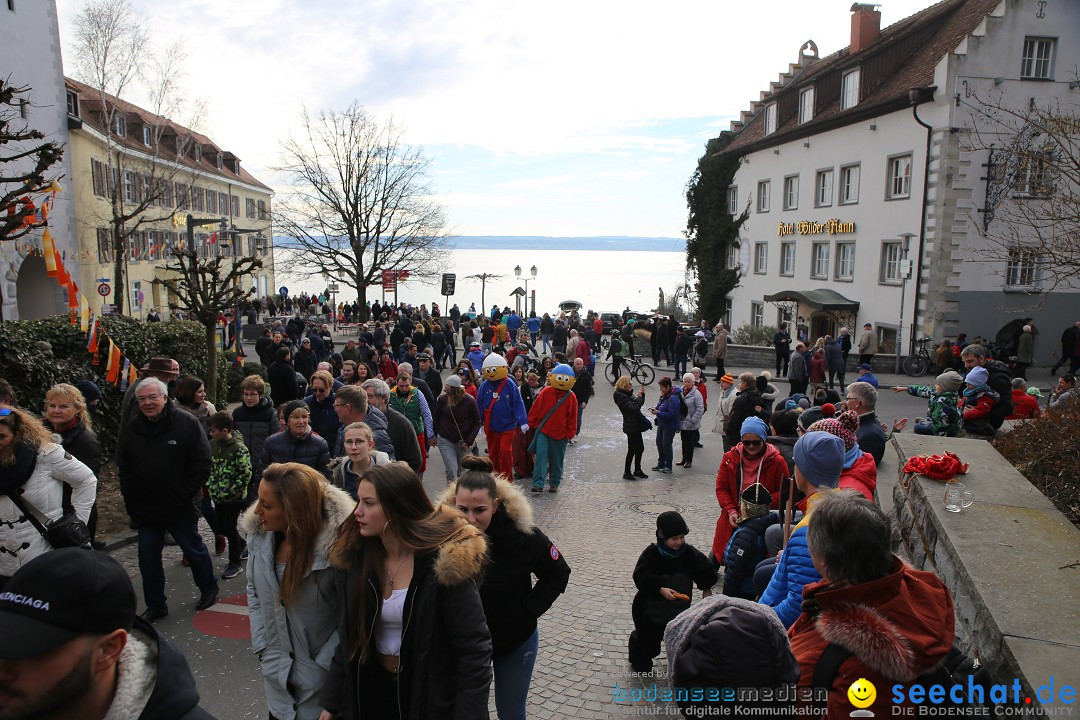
<point>541,242</point>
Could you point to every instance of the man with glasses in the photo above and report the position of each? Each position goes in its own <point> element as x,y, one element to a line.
<point>861,398</point>
<point>351,405</point>
<point>324,417</point>
<point>404,440</point>
<point>163,460</point>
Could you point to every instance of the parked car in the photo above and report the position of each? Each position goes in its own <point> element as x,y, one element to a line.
<point>611,321</point>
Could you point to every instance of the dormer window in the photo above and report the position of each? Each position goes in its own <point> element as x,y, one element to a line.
<point>181,144</point>
<point>770,118</point>
<point>147,135</point>
<point>120,126</point>
<point>849,90</point>
<point>72,103</point>
<point>198,153</point>
<point>806,105</point>
<point>219,161</point>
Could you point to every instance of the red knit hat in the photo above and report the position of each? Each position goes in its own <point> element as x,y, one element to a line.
<point>842,426</point>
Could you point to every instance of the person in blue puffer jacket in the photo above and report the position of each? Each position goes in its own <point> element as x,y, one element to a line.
<point>819,460</point>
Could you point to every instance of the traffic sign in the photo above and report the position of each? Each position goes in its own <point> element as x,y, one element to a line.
<point>141,297</point>
<point>103,289</point>
<point>448,282</point>
<point>283,291</point>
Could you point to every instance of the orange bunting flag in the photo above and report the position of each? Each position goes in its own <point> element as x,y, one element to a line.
<point>50,253</point>
<point>92,339</point>
<point>112,367</point>
<point>72,317</point>
<point>133,374</point>
<point>213,238</point>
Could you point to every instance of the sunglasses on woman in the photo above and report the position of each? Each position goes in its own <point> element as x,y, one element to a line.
<point>752,443</point>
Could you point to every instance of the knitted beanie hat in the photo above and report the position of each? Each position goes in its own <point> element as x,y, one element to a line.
<point>949,381</point>
<point>842,426</point>
<point>669,524</point>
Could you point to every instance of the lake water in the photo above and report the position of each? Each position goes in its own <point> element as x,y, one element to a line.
<point>599,279</point>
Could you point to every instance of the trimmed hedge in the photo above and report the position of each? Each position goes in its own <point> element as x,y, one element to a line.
<point>31,372</point>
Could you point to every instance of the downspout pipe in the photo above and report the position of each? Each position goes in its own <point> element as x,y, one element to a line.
<point>917,96</point>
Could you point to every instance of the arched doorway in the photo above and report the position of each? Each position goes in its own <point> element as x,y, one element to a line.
<point>822,324</point>
<point>36,291</point>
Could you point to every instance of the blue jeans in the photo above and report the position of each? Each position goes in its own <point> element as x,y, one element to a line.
<point>680,365</point>
<point>580,410</point>
<point>547,344</point>
<point>664,439</point>
<point>549,453</point>
<point>151,542</point>
<point>924,428</point>
<point>513,674</point>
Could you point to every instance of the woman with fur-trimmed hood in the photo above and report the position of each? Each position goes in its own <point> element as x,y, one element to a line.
<point>293,590</point>
<point>517,551</point>
<point>889,622</point>
<point>415,643</point>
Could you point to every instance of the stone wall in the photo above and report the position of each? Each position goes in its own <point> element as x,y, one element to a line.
<point>1010,561</point>
<point>750,357</point>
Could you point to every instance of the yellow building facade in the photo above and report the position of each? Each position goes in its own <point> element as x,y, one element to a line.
<point>138,176</point>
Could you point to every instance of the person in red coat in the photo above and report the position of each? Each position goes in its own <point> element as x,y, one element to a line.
<point>752,460</point>
<point>1025,401</point>
<point>893,622</point>
<point>552,433</point>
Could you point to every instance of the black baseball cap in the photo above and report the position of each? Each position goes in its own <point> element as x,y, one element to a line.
<point>60,595</point>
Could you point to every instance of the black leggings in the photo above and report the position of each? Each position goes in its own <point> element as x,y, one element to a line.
<point>689,441</point>
<point>635,446</point>
<point>227,515</point>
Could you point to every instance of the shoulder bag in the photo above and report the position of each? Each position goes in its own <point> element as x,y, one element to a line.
<point>64,532</point>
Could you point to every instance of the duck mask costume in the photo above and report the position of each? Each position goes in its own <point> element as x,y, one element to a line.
<point>562,377</point>
<point>494,368</point>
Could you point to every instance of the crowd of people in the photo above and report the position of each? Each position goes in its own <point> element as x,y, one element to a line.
<point>368,598</point>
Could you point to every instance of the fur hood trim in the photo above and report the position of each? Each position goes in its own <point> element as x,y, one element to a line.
<point>871,637</point>
<point>136,679</point>
<point>511,500</point>
<point>337,507</point>
<point>462,560</point>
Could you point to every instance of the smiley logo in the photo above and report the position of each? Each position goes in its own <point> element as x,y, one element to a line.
<point>862,693</point>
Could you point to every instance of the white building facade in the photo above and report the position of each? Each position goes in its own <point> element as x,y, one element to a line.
<point>30,58</point>
<point>856,162</point>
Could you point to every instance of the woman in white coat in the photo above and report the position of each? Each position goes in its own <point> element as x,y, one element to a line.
<point>33,462</point>
<point>292,588</point>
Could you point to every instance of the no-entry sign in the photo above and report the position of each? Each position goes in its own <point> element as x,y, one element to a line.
<point>103,289</point>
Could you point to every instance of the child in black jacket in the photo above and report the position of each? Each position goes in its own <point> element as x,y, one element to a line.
<point>665,576</point>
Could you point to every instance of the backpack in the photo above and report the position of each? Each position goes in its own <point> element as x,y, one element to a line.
<point>702,348</point>
<point>684,410</point>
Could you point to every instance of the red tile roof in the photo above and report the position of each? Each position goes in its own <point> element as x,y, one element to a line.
<point>904,57</point>
<point>90,104</point>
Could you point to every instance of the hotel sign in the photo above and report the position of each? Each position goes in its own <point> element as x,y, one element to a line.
<point>808,227</point>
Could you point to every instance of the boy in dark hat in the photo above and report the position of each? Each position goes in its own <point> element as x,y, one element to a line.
<point>665,576</point>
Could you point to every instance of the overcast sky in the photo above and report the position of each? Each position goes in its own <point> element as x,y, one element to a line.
<point>543,118</point>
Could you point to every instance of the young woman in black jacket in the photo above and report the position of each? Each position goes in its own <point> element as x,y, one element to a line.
<point>629,405</point>
<point>517,550</point>
<point>66,415</point>
<point>414,642</point>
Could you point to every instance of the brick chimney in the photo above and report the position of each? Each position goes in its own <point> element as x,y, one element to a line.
<point>865,25</point>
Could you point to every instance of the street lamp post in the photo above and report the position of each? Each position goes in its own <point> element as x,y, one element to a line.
<point>517,273</point>
<point>905,272</point>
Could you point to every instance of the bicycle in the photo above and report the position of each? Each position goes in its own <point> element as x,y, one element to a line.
<point>919,362</point>
<point>636,369</point>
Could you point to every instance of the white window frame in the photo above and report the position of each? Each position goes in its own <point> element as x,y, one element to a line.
<point>823,188</point>
<point>819,261</point>
<point>761,258</point>
<point>1022,269</point>
<point>892,254</point>
<point>764,194</point>
<point>734,256</point>
<point>787,259</point>
<point>733,200</point>
<point>129,186</point>
<point>219,161</point>
<point>791,192</point>
<point>72,103</point>
<point>845,261</point>
<point>848,193</point>
<point>757,314</point>
<point>806,105</point>
<point>849,89</point>
<point>120,125</point>
<point>1037,58</point>
<point>1032,178</point>
<point>898,183</point>
<point>770,118</point>
<point>147,136</point>
<point>198,152</point>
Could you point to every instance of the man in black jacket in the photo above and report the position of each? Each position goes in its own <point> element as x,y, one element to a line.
<point>583,389</point>
<point>78,649</point>
<point>861,398</point>
<point>1000,381</point>
<point>398,428</point>
<point>163,460</point>
<point>429,375</point>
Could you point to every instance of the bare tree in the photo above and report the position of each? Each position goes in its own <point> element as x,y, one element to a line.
<point>24,166</point>
<point>360,201</point>
<point>115,57</point>
<point>204,287</point>
<point>1030,219</point>
<point>483,278</point>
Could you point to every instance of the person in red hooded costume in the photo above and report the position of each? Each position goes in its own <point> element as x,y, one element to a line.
<point>890,622</point>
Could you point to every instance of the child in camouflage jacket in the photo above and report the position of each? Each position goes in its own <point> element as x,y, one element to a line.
<point>230,473</point>
<point>943,414</point>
